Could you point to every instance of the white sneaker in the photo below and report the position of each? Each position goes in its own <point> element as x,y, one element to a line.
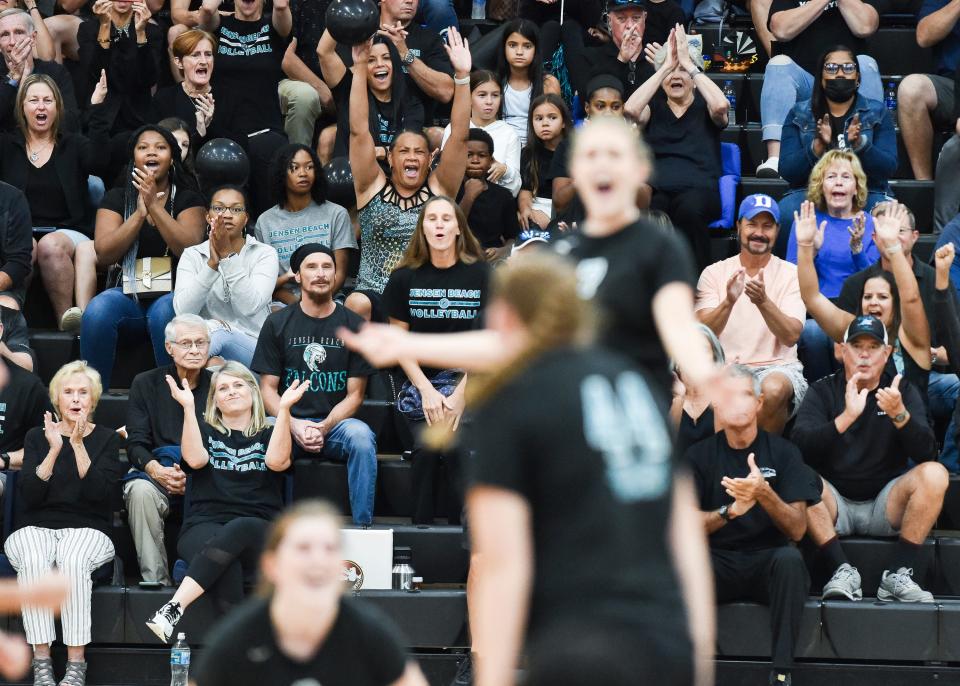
<point>165,620</point>
<point>70,321</point>
<point>769,169</point>
<point>899,585</point>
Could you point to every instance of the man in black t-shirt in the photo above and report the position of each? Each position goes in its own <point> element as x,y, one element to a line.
<point>299,342</point>
<point>751,537</point>
<point>490,208</point>
<point>804,30</point>
<point>858,428</point>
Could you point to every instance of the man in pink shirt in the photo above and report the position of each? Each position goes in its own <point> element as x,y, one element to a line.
<point>752,303</point>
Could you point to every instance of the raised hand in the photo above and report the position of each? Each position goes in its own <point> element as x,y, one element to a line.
<point>100,90</point>
<point>854,399</point>
<point>182,393</point>
<point>755,290</point>
<point>204,106</point>
<point>632,44</point>
<point>146,186</point>
<point>396,34</point>
<point>856,229</point>
<point>51,430</point>
<point>887,227</point>
<point>141,15</point>
<point>683,50</point>
<point>293,394</point>
<point>735,286</point>
<point>361,53</point>
<point>805,226</point>
<point>458,50</point>
<point>853,131</point>
<point>890,399</point>
<point>944,261</point>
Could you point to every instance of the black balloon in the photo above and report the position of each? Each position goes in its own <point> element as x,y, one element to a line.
<point>352,21</point>
<point>222,161</point>
<point>340,182</point>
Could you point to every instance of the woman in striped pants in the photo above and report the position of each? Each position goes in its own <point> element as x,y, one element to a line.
<point>70,469</point>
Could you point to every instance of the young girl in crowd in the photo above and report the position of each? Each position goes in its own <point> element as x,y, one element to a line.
<point>520,74</point>
<point>485,99</point>
<point>181,131</point>
<point>549,123</point>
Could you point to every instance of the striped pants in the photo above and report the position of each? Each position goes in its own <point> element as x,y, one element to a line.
<point>77,553</point>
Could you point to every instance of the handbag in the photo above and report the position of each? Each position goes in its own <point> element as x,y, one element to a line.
<point>410,402</point>
<point>153,276</point>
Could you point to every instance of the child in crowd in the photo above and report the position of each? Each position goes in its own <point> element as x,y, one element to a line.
<point>491,210</point>
<point>549,124</point>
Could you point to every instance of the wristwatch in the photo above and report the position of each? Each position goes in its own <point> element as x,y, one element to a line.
<point>902,417</point>
<point>724,513</point>
<point>408,58</point>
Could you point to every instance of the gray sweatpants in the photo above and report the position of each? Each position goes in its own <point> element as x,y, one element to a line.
<point>147,508</point>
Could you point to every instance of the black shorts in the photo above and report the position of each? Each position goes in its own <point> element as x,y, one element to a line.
<point>377,313</point>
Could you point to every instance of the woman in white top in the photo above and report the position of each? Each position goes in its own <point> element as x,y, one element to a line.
<point>228,279</point>
<point>485,94</point>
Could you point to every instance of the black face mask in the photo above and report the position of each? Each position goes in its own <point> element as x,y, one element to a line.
<point>839,90</point>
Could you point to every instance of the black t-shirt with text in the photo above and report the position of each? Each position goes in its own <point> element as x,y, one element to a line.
<point>23,400</point>
<point>293,345</point>
<point>390,121</point>
<point>235,482</point>
<point>623,272</point>
<point>686,148</point>
<point>827,31</point>
<point>782,467</point>
<point>493,216</point>
<point>581,436</point>
<point>363,648</point>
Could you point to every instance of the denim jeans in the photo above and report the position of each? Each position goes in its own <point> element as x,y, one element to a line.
<point>353,442</point>
<point>232,345</point>
<point>437,15</point>
<point>790,203</point>
<point>785,84</point>
<point>942,392</point>
<point>112,316</point>
<point>815,350</point>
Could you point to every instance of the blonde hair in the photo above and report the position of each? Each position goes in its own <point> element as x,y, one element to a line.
<point>22,96</point>
<point>815,184</point>
<point>615,126</point>
<point>541,289</point>
<point>304,509</point>
<point>417,253</point>
<point>68,370</point>
<point>212,414</point>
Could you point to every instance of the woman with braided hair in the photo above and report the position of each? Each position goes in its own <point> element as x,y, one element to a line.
<point>143,225</point>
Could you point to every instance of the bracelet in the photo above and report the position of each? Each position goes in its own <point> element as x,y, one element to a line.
<point>40,476</point>
<point>892,249</point>
<point>465,81</point>
<point>805,245</point>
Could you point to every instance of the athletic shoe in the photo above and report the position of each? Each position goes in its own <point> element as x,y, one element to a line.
<point>76,674</point>
<point>845,583</point>
<point>900,586</point>
<point>780,679</point>
<point>464,675</point>
<point>769,169</point>
<point>43,672</point>
<point>163,623</point>
<point>70,321</point>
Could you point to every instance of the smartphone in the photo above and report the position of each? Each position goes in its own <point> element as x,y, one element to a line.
<point>150,584</point>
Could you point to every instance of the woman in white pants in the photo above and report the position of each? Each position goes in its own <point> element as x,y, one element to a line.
<point>65,492</point>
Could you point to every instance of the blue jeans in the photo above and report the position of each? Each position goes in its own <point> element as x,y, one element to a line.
<point>815,350</point>
<point>785,84</point>
<point>112,316</point>
<point>790,203</point>
<point>232,345</point>
<point>353,442</point>
<point>437,15</point>
<point>942,392</point>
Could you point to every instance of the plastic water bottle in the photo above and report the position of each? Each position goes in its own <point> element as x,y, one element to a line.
<point>180,661</point>
<point>731,94</point>
<point>479,10</point>
<point>890,98</point>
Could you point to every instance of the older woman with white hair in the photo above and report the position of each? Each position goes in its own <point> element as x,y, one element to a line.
<point>70,469</point>
<point>682,113</point>
<point>236,462</point>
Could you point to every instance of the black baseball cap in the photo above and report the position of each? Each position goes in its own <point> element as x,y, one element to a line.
<point>304,251</point>
<point>866,326</point>
<point>614,5</point>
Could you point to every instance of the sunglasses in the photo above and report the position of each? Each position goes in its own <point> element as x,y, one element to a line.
<point>832,68</point>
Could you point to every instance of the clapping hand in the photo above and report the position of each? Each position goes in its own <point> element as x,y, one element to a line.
<point>805,226</point>
<point>890,399</point>
<point>219,241</point>
<point>632,44</point>
<point>944,261</point>
<point>682,49</point>
<point>100,90</point>
<point>79,429</point>
<point>745,490</point>
<point>853,131</point>
<point>735,286</point>
<point>182,394</point>
<point>146,185</point>
<point>755,290</point>
<point>825,131</point>
<point>856,229</point>
<point>51,430</point>
<point>203,105</point>
<point>854,398</point>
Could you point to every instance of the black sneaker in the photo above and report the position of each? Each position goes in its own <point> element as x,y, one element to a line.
<point>165,620</point>
<point>780,678</point>
<point>464,675</point>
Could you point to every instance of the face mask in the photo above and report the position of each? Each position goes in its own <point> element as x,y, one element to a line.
<point>839,90</point>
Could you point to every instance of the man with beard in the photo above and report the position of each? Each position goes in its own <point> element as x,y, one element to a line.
<point>752,303</point>
<point>300,343</point>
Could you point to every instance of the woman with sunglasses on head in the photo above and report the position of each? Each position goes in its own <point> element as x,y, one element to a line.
<point>836,117</point>
<point>228,279</point>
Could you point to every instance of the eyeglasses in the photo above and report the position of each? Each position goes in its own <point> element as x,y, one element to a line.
<point>201,344</point>
<point>832,68</point>
<point>220,209</point>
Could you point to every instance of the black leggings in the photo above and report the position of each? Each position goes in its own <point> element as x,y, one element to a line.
<point>221,556</point>
<point>424,476</point>
<point>692,211</point>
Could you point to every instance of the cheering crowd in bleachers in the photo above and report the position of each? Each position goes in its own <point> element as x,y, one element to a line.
<point>385,181</point>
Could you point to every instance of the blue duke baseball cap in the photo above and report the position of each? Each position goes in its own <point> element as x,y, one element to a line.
<point>752,205</point>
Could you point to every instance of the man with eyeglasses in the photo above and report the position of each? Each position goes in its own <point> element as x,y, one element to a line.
<point>803,30</point>
<point>154,428</point>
